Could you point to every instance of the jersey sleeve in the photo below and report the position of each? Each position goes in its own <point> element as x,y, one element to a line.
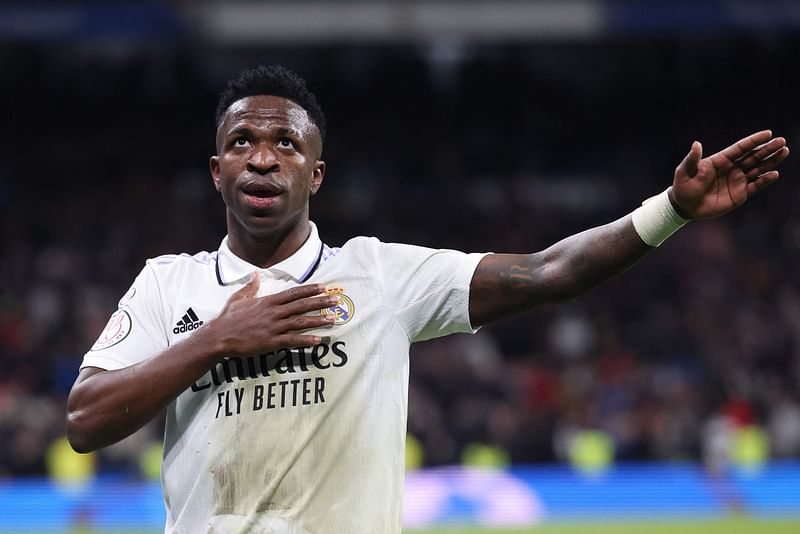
<point>135,331</point>
<point>428,289</point>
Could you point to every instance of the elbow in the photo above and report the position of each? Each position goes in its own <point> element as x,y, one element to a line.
<point>78,435</point>
<point>550,277</point>
<point>79,446</point>
<point>83,420</point>
<point>554,284</point>
<point>559,285</point>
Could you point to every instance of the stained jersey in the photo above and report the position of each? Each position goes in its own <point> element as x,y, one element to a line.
<point>293,441</point>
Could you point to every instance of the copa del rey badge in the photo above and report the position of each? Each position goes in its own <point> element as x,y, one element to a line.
<point>117,329</point>
<point>343,310</point>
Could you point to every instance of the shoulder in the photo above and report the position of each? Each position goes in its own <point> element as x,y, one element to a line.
<point>360,242</point>
<point>386,259</point>
<point>354,247</point>
<point>360,253</point>
<point>172,266</point>
<point>183,260</point>
<point>375,244</point>
<point>385,250</point>
<point>363,249</point>
<point>374,249</point>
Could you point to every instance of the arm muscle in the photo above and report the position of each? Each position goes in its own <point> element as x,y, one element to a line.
<point>107,406</point>
<point>505,284</point>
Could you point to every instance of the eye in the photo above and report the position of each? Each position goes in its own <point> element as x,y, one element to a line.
<point>241,141</point>
<point>286,143</point>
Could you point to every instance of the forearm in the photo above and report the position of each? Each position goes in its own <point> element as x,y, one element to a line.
<point>505,284</point>
<point>580,262</point>
<point>105,407</point>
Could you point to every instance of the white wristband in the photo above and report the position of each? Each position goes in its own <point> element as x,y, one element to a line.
<point>655,220</point>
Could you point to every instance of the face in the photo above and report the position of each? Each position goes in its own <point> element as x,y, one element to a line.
<point>267,165</point>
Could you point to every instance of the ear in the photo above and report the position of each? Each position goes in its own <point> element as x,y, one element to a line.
<point>213,164</point>
<point>317,176</point>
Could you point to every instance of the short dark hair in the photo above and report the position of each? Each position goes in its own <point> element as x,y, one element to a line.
<point>272,80</point>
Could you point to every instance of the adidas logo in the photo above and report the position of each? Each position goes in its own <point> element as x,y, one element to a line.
<point>188,322</point>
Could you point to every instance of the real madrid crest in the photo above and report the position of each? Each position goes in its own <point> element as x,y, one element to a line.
<point>343,310</point>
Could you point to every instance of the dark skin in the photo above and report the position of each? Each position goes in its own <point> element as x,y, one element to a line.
<point>703,188</point>
<point>268,166</point>
<point>267,145</point>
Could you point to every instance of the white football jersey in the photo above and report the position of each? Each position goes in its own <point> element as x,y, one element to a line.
<point>293,441</point>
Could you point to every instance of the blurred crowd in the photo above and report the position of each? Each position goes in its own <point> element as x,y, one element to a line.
<point>504,149</point>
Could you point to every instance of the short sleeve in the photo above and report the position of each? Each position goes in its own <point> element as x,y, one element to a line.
<point>428,289</point>
<point>135,331</point>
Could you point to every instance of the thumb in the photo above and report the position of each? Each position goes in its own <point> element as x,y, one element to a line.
<point>689,164</point>
<point>249,290</point>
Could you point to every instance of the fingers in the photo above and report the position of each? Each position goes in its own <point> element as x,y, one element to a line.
<point>291,316</point>
<point>297,293</point>
<point>743,146</point>
<point>759,154</point>
<point>291,319</point>
<point>290,308</point>
<point>761,182</point>
<point>249,290</point>
<point>296,323</point>
<point>768,164</point>
<point>689,164</point>
<point>309,304</point>
<point>254,325</point>
<point>288,330</point>
<point>298,340</point>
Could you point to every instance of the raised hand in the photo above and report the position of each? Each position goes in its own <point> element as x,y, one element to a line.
<point>708,187</point>
<point>249,324</point>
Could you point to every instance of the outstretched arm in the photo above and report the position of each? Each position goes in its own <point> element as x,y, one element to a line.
<point>505,284</point>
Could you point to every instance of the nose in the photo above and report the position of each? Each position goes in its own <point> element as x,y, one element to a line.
<point>262,160</point>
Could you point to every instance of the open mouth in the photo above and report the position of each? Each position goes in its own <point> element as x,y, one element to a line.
<point>261,190</point>
<point>260,195</point>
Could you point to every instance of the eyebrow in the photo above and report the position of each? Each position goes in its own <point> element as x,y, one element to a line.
<point>281,131</point>
<point>240,130</point>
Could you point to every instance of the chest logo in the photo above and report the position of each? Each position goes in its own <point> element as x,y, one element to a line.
<point>188,322</point>
<point>343,310</point>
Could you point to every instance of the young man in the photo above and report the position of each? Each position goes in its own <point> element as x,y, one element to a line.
<point>283,363</point>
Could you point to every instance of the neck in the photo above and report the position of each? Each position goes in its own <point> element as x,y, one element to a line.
<point>265,250</point>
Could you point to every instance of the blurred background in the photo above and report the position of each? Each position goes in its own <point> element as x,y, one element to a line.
<point>670,392</point>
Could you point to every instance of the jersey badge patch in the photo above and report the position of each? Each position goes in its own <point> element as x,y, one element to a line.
<point>117,329</point>
<point>343,310</point>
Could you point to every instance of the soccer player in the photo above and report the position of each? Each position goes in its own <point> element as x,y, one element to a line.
<point>282,363</point>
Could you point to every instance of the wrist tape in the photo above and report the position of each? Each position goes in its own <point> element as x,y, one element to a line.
<point>655,220</point>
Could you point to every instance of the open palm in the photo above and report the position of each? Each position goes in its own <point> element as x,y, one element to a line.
<point>708,187</point>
